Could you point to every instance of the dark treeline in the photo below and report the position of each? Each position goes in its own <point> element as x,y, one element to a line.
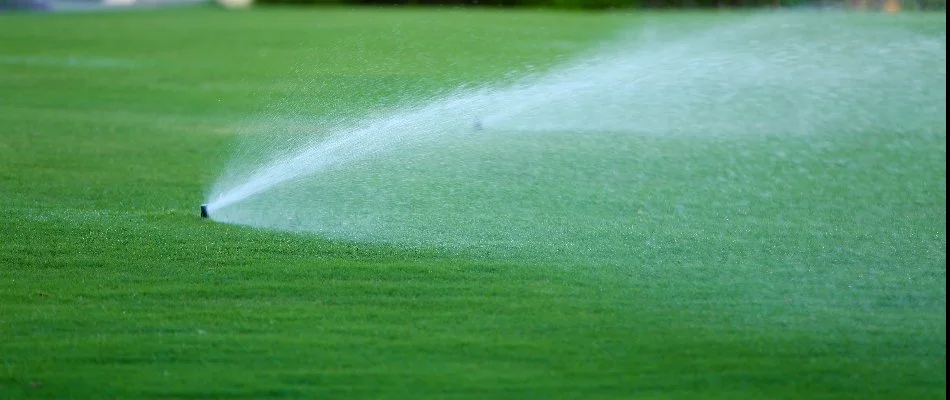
<point>595,4</point>
<point>608,4</point>
<point>584,4</point>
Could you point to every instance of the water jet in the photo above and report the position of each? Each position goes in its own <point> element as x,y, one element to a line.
<point>573,148</point>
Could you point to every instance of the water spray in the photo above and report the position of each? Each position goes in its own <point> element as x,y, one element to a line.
<point>558,156</point>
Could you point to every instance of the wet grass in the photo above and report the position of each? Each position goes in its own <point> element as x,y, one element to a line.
<point>113,126</point>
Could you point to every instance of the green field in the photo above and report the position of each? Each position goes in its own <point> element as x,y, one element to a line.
<point>113,126</point>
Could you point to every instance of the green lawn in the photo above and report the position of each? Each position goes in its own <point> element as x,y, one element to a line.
<point>113,127</point>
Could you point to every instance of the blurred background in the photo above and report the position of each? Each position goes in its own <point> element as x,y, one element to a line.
<point>869,5</point>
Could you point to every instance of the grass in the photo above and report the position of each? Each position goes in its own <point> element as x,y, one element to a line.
<point>112,126</point>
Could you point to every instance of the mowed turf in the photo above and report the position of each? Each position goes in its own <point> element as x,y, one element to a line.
<point>113,126</point>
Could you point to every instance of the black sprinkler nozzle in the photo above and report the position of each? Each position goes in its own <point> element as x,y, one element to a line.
<point>204,211</point>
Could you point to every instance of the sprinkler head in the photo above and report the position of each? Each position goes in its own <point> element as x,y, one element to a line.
<point>204,211</point>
